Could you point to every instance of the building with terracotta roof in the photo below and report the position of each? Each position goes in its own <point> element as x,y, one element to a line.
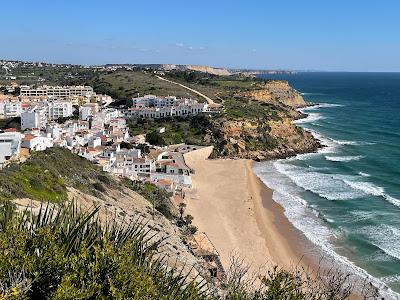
<point>36,143</point>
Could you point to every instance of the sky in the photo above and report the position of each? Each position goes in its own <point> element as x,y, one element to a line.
<point>334,35</point>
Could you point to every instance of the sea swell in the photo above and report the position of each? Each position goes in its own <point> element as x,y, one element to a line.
<point>311,222</point>
<point>290,180</point>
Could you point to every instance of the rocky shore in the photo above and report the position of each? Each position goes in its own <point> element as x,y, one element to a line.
<point>269,137</point>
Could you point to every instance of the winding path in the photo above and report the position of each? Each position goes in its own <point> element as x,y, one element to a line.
<point>208,99</point>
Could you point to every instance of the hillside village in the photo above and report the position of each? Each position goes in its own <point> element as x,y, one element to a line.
<point>78,119</point>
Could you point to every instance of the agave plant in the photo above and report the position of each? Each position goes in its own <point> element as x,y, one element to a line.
<point>65,252</point>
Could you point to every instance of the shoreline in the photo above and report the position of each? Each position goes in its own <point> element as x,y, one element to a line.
<point>279,227</point>
<point>236,210</point>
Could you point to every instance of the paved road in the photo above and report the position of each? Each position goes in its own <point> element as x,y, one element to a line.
<point>208,99</point>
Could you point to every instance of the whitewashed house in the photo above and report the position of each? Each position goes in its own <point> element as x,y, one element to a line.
<point>36,143</point>
<point>10,146</point>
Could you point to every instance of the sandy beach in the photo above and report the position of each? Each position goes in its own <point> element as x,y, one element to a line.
<point>235,209</point>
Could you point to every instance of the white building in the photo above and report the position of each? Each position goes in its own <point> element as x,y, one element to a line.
<point>118,123</point>
<point>102,118</point>
<point>57,91</point>
<point>35,118</point>
<point>36,143</point>
<point>88,110</point>
<point>10,145</point>
<point>54,131</point>
<point>94,142</point>
<point>138,165</point>
<point>59,109</point>
<point>153,101</point>
<point>163,107</point>
<point>11,109</point>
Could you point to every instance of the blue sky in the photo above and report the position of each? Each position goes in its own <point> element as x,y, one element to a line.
<point>335,35</point>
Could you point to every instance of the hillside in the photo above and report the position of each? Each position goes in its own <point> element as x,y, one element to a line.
<point>57,176</point>
<point>256,121</point>
<point>115,246</point>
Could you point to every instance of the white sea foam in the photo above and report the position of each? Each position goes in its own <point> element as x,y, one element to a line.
<point>385,237</point>
<point>320,105</point>
<point>344,158</point>
<point>352,143</point>
<point>391,279</point>
<point>364,174</point>
<point>303,218</point>
<point>370,189</point>
<point>329,186</point>
<point>311,117</point>
<point>330,146</point>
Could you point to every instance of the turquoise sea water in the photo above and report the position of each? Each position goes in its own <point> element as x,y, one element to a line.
<point>346,197</point>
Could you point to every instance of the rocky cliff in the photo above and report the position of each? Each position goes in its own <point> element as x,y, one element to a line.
<point>207,69</point>
<point>270,132</point>
<point>199,68</point>
<point>277,91</point>
<point>262,141</point>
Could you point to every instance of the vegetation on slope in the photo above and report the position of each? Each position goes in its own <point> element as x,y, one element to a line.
<point>67,254</point>
<point>253,123</point>
<point>159,198</point>
<point>46,175</point>
<point>190,130</point>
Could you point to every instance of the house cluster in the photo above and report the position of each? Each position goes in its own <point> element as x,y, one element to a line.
<point>55,101</point>
<point>155,107</point>
<point>96,132</point>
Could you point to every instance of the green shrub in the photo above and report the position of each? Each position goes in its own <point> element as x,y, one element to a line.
<point>46,175</point>
<point>63,253</point>
<point>155,195</point>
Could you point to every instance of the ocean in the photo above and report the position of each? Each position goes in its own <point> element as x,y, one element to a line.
<point>346,197</point>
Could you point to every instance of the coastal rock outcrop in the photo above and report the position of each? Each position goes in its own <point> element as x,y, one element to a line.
<point>268,136</point>
<point>273,91</point>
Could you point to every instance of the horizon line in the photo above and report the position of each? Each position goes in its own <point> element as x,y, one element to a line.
<point>205,65</point>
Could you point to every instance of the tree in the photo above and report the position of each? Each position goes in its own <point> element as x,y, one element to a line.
<point>154,138</point>
<point>188,220</point>
<point>126,145</point>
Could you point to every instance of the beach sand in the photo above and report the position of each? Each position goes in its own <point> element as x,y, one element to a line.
<point>235,209</point>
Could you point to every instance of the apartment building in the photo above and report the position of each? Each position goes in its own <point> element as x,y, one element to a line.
<point>154,107</point>
<point>88,110</point>
<point>59,109</point>
<point>153,101</point>
<point>56,91</point>
<point>34,118</point>
<point>10,109</point>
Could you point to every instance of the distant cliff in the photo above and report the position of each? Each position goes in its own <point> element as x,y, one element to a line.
<point>207,69</point>
<point>277,90</point>
<point>199,68</point>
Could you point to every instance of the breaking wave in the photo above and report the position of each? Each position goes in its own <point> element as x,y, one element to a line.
<point>344,158</point>
<point>307,219</point>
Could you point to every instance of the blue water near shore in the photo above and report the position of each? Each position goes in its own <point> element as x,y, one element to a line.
<point>346,197</point>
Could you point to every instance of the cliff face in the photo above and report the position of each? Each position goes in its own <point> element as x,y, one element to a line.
<point>277,91</point>
<point>204,69</point>
<point>262,141</point>
<point>267,137</point>
<point>207,69</point>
